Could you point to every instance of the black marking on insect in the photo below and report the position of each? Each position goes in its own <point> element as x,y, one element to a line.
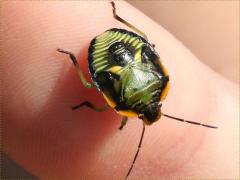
<point>125,67</point>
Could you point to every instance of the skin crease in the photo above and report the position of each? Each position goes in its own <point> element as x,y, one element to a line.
<point>48,139</point>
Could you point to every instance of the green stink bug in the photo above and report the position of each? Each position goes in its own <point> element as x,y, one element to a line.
<point>125,67</point>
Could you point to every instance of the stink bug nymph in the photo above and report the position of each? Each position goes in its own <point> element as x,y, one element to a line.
<point>125,67</point>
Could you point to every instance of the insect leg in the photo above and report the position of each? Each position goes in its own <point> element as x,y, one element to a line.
<point>77,67</point>
<point>91,106</point>
<point>125,22</point>
<point>124,122</point>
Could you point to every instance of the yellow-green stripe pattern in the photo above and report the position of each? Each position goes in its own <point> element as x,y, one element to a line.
<point>101,60</point>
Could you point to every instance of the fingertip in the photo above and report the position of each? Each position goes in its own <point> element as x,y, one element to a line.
<point>56,134</point>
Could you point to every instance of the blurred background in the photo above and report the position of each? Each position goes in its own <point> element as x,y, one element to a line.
<point>210,29</point>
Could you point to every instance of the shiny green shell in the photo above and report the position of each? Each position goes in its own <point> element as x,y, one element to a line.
<point>127,70</point>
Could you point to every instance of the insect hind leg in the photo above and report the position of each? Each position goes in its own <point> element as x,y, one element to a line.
<point>125,22</point>
<point>91,106</point>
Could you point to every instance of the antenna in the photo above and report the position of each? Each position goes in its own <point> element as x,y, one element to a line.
<point>191,122</point>
<point>136,155</point>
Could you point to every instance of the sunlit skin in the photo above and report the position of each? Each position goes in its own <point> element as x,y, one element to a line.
<point>48,139</point>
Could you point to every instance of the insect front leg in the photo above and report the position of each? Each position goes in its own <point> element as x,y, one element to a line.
<point>77,67</point>
<point>124,122</point>
<point>91,106</point>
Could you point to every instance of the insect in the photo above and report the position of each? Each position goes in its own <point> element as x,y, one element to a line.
<point>125,67</point>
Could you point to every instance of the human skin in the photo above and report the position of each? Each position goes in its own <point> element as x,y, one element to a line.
<point>220,19</point>
<point>48,139</point>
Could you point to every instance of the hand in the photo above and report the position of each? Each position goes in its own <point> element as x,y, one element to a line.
<point>47,138</point>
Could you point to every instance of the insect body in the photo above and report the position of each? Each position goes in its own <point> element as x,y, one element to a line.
<point>127,70</point>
